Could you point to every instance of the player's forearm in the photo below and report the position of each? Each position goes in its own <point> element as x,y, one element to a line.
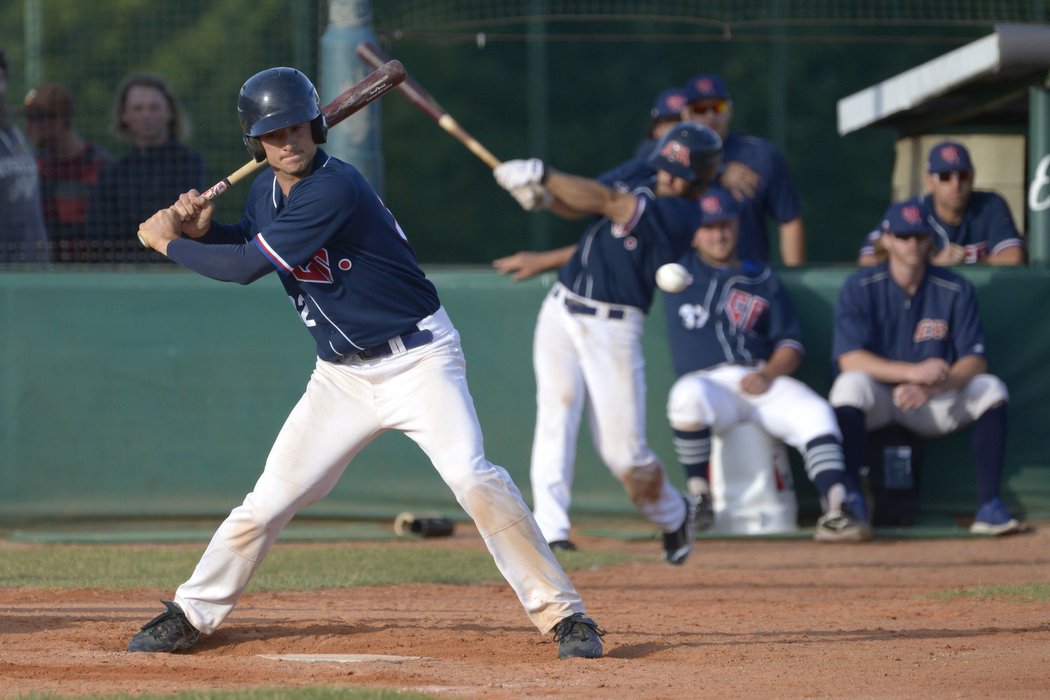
<point>783,362</point>
<point>1009,256</point>
<point>877,367</point>
<point>962,371</point>
<point>793,242</point>
<point>590,196</point>
<point>241,263</point>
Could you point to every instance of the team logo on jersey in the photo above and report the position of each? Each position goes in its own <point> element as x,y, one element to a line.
<point>744,310</point>
<point>930,329</point>
<point>317,270</point>
<point>675,152</point>
<point>975,252</point>
<point>630,243</point>
<point>693,316</point>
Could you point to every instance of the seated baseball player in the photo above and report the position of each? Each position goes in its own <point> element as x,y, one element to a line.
<point>968,226</point>
<point>735,341</point>
<point>910,347</point>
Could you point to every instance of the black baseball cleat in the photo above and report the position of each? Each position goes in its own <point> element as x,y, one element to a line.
<point>170,631</point>
<point>578,637</point>
<point>678,544</point>
<point>562,546</point>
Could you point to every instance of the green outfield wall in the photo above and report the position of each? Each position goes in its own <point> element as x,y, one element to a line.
<point>157,394</point>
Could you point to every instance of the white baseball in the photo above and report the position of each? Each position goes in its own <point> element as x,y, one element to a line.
<point>673,278</point>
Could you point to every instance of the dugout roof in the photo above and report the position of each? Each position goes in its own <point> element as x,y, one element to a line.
<point>984,83</point>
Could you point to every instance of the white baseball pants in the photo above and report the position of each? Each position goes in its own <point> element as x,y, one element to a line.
<point>578,356</point>
<point>423,393</point>
<point>711,398</point>
<point>940,415</point>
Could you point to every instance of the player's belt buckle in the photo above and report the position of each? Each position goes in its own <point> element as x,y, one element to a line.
<point>406,341</point>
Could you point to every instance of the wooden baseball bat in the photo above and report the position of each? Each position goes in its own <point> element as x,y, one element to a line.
<point>364,92</point>
<point>374,56</point>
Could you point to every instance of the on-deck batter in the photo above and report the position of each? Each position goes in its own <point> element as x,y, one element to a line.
<point>389,358</point>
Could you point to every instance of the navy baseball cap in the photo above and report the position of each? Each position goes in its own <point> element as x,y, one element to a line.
<point>716,206</point>
<point>669,103</point>
<point>948,156</point>
<point>905,218</point>
<point>706,86</point>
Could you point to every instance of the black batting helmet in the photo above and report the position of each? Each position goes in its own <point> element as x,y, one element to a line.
<point>274,99</point>
<point>689,151</point>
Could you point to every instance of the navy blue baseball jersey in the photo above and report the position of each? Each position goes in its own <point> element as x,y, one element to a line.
<point>987,227</point>
<point>776,196</point>
<point>941,321</point>
<point>343,258</point>
<point>617,263</point>
<point>729,316</point>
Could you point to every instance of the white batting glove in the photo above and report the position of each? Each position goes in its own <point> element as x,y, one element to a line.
<point>533,197</point>
<point>518,173</point>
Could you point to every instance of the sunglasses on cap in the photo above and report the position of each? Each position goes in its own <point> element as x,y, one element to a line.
<point>963,175</point>
<point>705,106</point>
<point>908,236</point>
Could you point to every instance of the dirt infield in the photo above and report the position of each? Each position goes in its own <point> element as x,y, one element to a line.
<point>755,619</point>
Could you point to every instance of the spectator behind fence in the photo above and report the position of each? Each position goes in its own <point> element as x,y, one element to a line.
<point>23,237</point>
<point>754,171</point>
<point>909,343</point>
<point>151,176</point>
<point>69,168</point>
<point>969,226</point>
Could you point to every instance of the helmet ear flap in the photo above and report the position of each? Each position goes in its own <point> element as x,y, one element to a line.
<point>255,148</point>
<point>319,128</point>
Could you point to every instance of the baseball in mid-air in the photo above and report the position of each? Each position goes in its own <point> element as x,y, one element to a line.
<point>673,278</point>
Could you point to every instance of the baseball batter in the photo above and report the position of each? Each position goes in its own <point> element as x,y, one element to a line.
<point>735,340</point>
<point>587,342</point>
<point>909,343</point>
<point>389,358</point>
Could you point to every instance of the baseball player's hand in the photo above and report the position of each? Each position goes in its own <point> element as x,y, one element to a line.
<point>740,180</point>
<point>755,383</point>
<point>908,397</point>
<point>194,212</point>
<point>951,254</point>
<point>929,372</point>
<point>160,229</point>
<point>521,266</point>
<point>519,173</point>
<point>532,197</point>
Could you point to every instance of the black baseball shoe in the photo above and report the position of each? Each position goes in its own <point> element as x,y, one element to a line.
<point>678,544</point>
<point>170,631</point>
<point>578,636</point>
<point>562,546</point>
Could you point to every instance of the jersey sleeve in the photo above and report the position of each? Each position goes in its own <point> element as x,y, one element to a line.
<point>852,320</point>
<point>1002,233</point>
<point>308,221</point>
<point>785,329</point>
